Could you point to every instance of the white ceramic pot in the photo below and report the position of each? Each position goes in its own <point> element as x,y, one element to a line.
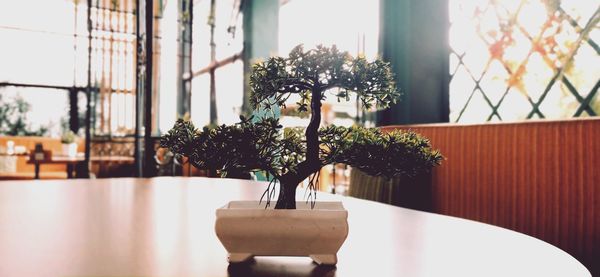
<point>69,149</point>
<point>8,164</point>
<point>247,229</point>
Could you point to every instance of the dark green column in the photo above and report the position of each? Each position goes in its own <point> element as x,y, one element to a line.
<point>414,39</point>
<point>74,110</point>
<point>261,31</point>
<point>184,56</point>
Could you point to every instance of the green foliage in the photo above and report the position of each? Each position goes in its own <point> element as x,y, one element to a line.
<point>296,154</point>
<point>13,118</point>
<point>274,81</point>
<point>395,153</point>
<point>68,137</point>
<point>242,147</point>
<point>260,146</point>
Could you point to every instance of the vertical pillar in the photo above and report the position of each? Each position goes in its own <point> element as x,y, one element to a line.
<point>414,39</point>
<point>84,172</point>
<point>184,55</point>
<point>144,145</point>
<point>213,59</point>
<point>73,110</point>
<point>140,75</point>
<point>149,168</point>
<point>261,31</point>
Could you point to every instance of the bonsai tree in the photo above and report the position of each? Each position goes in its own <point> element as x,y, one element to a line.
<point>291,156</point>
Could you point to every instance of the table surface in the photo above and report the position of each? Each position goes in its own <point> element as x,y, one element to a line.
<point>165,227</point>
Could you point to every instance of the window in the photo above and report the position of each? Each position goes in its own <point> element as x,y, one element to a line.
<point>216,62</point>
<point>41,60</point>
<point>50,55</point>
<point>42,51</point>
<point>113,67</point>
<point>166,43</point>
<point>352,26</point>
<point>45,110</point>
<point>521,59</point>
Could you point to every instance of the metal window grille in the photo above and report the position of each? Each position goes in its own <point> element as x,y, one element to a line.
<point>113,66</point>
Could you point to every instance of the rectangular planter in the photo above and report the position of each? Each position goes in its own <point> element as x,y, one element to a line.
<point>247,229</point>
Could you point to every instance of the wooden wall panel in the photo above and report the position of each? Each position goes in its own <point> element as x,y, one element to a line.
<point>541,178</point>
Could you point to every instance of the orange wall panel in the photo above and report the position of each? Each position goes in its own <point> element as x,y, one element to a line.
<point>541,178</point>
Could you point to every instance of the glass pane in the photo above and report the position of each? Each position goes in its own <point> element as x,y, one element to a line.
<point>493,83</point>
<point>230,88</point>
<point>559,103</point>
<point>521,46</point>
<point>584,70</point>
<point>113,67</point>
<point>228,34</point>
<point>462,86</point>
<point>226,16</point>
<point>45,112</point>
<point>201,100</point>
<point>200,35</point>
<point>519,107</point>
<point>168,67</point>
<point>353,27</point>
<point>476,109</point>
<point>42,51</point>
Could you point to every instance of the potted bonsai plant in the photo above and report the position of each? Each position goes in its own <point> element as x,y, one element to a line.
<point>69,146</point>
<point>290,156</point>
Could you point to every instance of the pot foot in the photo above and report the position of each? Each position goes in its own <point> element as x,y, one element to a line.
<point>324,259</point>
<point>239,257</point>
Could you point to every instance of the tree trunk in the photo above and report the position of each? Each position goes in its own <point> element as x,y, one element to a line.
<point>312,130</point>
<point>289,182</point>
<point>287,195</point>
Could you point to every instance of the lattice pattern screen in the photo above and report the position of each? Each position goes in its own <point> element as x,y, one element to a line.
<point>522,59</point>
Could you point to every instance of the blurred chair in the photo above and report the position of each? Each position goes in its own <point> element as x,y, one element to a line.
<point>414,193</point>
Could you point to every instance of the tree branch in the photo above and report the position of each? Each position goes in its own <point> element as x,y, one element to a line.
<point>312,130</point>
